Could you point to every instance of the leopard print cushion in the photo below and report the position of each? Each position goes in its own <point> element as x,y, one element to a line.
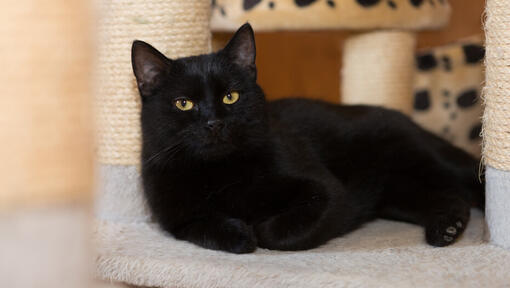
<point>269,15</point>
<point>447,93</point>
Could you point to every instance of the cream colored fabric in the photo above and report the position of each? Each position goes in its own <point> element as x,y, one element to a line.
<point>111,284</point>
<point>177,28</point>
<point>268,15</point>
<point>378,69</point>
<point>381,254</point>
<point>496,118</point>
<point>45,120</point>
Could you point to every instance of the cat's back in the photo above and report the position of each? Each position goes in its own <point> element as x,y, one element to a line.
<point>339,133</point>
<point>319,116</point>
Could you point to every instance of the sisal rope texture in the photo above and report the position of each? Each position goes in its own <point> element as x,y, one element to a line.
<point>378,69</point>
<point>177,28</point>
<point>496,118</point>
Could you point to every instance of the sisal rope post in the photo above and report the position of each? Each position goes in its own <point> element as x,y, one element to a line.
<point>496,121</point>
<point>46,143</point>
<point>177,28</point>
<point>378,69</point>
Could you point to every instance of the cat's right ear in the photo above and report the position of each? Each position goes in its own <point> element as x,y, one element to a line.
<point>149,66</point>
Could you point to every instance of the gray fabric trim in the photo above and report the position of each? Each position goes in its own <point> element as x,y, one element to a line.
<point>119,195</point>
<point>497,211</point>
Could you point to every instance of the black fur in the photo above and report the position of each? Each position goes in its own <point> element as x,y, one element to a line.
<point>289,174</point>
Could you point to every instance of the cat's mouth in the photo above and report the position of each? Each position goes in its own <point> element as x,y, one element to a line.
<point>216,147</point>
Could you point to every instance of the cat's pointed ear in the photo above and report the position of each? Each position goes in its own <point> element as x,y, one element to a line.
<point>241,48</point>
<point>149,66</point>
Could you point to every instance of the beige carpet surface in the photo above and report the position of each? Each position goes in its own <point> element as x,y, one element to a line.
<point>380,254</point>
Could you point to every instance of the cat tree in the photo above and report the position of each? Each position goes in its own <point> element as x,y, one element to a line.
<point>380,59</point>
<point>134,250</point>
<point>496,121</point>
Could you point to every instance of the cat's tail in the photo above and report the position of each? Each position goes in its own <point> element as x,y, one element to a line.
<point>477,190</point>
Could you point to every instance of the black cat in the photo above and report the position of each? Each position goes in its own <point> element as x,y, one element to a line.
<point>226,170</point>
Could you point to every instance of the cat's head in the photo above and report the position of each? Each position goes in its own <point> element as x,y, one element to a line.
<point>207,106</point>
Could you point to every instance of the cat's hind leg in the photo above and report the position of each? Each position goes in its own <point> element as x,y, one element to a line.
<point>315,214</point>
<point>443,210</point>
<point>446,220</point>
<point>302,225</point>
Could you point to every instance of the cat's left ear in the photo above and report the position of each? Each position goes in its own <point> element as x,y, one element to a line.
<point>241,49</point>
<point>149,66</point>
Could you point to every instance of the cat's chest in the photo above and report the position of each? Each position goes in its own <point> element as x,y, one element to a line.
<point>230,192</point>
<point>218,182</point>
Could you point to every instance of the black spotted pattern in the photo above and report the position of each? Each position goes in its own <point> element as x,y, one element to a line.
<point>467,98</point>
<point>304,3</point>
<point>447,63</point>
<point>331,3</point>
<point>473,53</point>
<point>426,62</point>
<point>368,3</point>
<point>416,3</point>
<point>271,5</point>
<point>474,134</point>
<point>249,4</point>
<point>421,100</point>
<point>392,4</point>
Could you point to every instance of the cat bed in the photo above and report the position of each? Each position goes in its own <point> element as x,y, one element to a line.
<point>380,254</point>
<point>269,15</point>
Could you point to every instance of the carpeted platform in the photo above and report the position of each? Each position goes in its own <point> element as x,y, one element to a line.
<point>381,254</point>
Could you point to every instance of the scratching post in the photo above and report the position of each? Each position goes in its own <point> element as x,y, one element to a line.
<point>496,121</point>
<point>378,69</point>
<point>177,28</point>
<point>46,143</point>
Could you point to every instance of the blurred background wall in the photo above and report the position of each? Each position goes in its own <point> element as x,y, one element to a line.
<point>307,64</point>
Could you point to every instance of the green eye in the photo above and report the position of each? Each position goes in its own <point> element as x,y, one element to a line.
<point>184,104</point>
<point>231,98</point>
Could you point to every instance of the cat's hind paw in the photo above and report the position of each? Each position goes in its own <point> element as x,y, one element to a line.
<point>444,230</point>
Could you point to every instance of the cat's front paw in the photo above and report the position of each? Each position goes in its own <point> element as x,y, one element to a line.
<point>277,234</point>
<point>237,238</point>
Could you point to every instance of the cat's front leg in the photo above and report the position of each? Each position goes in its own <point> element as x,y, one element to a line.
<point>218,232</point>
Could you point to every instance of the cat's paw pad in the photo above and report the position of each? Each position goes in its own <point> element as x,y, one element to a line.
<point>448,238</point>
<point>451,230</point>
<point>443,230</point>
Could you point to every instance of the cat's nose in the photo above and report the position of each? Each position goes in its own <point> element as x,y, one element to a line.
<point>215,124</point>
